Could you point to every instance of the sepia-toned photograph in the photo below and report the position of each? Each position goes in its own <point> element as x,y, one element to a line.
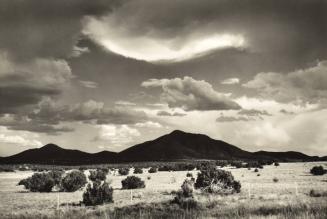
<point>163,109</point>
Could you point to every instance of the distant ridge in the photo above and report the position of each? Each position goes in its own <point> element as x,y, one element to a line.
<point>177,145</point>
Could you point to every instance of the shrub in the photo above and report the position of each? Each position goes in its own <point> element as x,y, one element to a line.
<point>276,164</point>
<point>6,169</point>
<point>56,176</point>
<point>39,182</point>
<point>123,171</point>
<point>214,180</point>
<point>256,170</point>
<point>165,168</point>
<point>138,170</point>
<point>25,182</point>
<point>98,175</point>
<point>314,193</point>
<point>184,197</point>
<point>275,179</point>
<point>258,174</point>
<point>73,181</point>
<point>132,182</point>
<point>189,175</point>
<point>317,170</point>
<point>152,170</point>
<point>97,194</point>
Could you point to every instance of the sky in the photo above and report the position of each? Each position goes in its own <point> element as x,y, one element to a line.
<point>108,74</point>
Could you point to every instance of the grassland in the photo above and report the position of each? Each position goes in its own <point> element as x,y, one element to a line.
<point>260,197</point>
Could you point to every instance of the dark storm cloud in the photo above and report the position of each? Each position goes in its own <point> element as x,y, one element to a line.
<point>24,84</point>
<point>49,116</point>
<point>22,122</point>
<point>37,28</point>
<point>52,113</point>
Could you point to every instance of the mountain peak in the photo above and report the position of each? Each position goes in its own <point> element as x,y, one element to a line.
<point>177,132</point>
<point>51,146</point>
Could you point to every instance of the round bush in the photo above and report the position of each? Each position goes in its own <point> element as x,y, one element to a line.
<point>98,175</point>
<point>214,180</point>
<point>138,170</point>
<point>132,182</point>
<point>189,175</point>
<point>123,171</point>
<point>97,194</point>
<point>317,170</point>
<point>152,170</point>
<point>40,182</point>
<point>56,176</point>
<point>73,181</point>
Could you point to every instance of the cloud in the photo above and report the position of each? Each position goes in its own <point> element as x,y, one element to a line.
<point>89,84</point>
<point>89,111</point>
<point>18,139</point>
<point>45,29</point>
<point>231,81</point>
<point>124,103</point>
<point>152,30</point>
<point>26,83</point>
<point>233,119</point>
<point>165,113</point>
<point>117,136</point>
<point>190,94</point>
<point>301,86</point>
<point>254,112</point>
<point>286,112</point>
<point>152,49</point>
<point>148,124</point>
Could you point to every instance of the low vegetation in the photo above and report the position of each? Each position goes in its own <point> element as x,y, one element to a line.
<point>213,180</point>
<point>152,170</point>
<point>132,182</point>
<point>184,197</point>
<point>38,182</point>
<point>138,170</point>
<point>123,171</point>
<point>73,181</point>
<point>318,170</point>
<point>97,194</point>
<point>98,175</point>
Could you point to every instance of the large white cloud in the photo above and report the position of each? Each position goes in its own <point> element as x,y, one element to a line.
<point>191,94</point>
<point>302,86</point>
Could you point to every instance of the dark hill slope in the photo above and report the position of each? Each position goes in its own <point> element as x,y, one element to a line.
<point>53,154</point>
<point>182,145</point>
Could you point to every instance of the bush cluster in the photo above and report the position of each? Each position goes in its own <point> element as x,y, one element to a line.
<point>38,182</point>
<point>184,197</point>
<point>97,194</point>
<point>177,167</point>
<point>318,170</point>
<point>215,180</point>
<point>152,170</point>
<point>42,182</point>
<point>123,171</point>
<point>132,182</point>
<point>98,175</point>
<point>73,181</point>
<point>138,170</point>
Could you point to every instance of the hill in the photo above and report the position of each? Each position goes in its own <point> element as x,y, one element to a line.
<point>182,145</point>
<point>177,145</point>
<point>53,154</point>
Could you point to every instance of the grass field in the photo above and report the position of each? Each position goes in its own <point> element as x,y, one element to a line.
<point>260,197</point>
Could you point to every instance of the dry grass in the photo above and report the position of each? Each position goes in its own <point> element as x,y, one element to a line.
<point>260,197</point>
